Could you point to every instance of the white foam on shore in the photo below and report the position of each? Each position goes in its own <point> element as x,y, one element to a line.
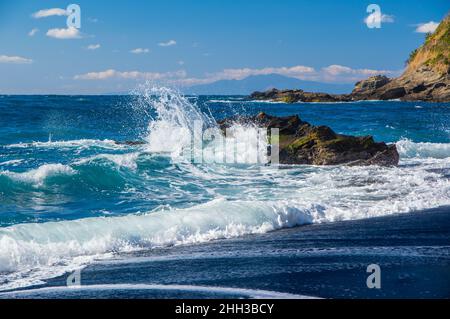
<point>42,244</point>
<point>251,293</point>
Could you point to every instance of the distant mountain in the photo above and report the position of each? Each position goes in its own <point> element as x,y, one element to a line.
<point>263,83</point>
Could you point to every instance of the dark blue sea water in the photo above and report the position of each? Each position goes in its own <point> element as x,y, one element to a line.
<point>145,221</point>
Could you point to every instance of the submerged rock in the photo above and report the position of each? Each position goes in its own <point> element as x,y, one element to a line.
<point>303,143</point>
<point>130,143</point>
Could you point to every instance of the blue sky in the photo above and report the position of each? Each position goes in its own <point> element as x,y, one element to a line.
<point>183,42</point>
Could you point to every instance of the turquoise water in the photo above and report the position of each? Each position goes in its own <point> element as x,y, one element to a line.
<point>71,196</point>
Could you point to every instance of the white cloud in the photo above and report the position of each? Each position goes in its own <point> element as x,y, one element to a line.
<point>168,43</point>
<point>376,17</point>
<point>340,73</point>
<point>49,12</point>
<point>140,51</point>
<point>181,62</point>
<point>136,75</point>
<point>336,69</point>
<point>239,74</point>
<point>33,32</point>
<point>103,75</point>
<point>69,33</point>
<point>299,71</point>
<point>332,74</point>
<point>14,59</point>
<point>93,46</point>
<point>428,27</point>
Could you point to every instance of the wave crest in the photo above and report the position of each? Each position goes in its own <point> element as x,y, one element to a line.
<point>38,176</point>
<point>410,149</point>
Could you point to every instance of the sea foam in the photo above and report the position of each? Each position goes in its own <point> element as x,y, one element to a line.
<point>410,149</point>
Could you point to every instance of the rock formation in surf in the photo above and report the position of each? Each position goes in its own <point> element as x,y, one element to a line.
<point>303,143</point>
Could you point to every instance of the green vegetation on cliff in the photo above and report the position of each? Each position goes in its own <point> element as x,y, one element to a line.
<point>435,52</point>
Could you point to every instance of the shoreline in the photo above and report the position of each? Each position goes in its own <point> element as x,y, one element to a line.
<point>386,240</point>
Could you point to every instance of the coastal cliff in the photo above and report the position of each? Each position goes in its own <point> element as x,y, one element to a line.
<point>426,78</point>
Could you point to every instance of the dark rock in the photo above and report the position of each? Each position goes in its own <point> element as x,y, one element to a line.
<point>303,143</point>
<point>370,85</point>
<point>394,93</point>
<point>387,157</point>
<point>419,88</point>
<point>293,96</point>
<point>439,85</point>
<point>130,143</point>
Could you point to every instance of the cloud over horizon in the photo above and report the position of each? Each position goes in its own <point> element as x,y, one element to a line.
<point>331,74</point>
<point>135,75</point>
<point>15,59</point>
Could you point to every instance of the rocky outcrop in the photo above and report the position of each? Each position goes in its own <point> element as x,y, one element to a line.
<point>370,86</point>
<point>303,143</point>
<point>293,96</point>
<point>426,78</point>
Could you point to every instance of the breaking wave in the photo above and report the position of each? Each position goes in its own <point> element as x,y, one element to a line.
<point>409,149</point>
<point>38,176</point>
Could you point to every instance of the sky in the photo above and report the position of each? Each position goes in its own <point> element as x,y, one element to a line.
<point>191,42</point>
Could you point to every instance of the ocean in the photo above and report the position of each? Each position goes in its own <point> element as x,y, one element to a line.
<point>142,220</point>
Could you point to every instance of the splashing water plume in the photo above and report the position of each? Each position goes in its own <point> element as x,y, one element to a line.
<point>178,127</point>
